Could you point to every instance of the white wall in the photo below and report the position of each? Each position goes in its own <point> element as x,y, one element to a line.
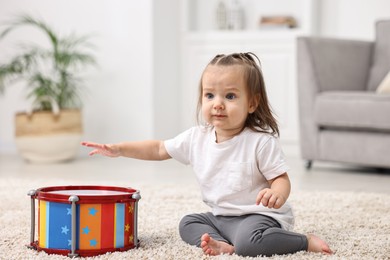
<point>120,100</point>
<point>166,69</point>
<point>351,18</point>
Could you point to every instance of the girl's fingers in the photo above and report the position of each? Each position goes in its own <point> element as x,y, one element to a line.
<point>278,203</point>
<point>93,152</point>
<point>269,199</point>
<point>260,196</point>
<point>94,145</point>
<point>103,149</point>
<point>272,201</point>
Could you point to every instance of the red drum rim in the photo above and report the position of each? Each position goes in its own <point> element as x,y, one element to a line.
<point>123,195</point>
<point>82,253</point>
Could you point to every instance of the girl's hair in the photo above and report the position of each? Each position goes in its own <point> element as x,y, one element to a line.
<point>262,119</point>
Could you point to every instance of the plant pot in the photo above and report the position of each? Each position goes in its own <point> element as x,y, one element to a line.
<point>45,137</point>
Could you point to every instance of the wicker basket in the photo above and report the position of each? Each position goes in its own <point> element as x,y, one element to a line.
<point>47,137</point>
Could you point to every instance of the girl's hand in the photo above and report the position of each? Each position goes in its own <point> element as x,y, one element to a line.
<point>109,150</point>
<point>270,198</point>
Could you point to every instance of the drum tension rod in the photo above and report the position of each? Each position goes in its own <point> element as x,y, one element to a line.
<point>136,196</point>
<point>32,194</point>
<point>73,199</point>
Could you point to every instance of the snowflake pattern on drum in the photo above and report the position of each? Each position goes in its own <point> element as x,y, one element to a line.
<point>99,226</point>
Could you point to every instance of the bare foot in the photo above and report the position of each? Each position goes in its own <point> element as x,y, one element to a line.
<point>317,245</point>
<point>215,247</point>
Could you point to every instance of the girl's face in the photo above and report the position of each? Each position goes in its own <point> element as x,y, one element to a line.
<point>225,102</point>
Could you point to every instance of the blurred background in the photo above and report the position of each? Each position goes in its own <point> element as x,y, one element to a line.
<point>151,54</point>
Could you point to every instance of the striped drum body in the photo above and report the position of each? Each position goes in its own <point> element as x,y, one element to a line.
<point>105,220</point>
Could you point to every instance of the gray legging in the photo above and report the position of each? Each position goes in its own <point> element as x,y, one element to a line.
<point>251,235</point>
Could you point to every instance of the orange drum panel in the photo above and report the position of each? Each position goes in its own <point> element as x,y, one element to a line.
<point>105,226</point>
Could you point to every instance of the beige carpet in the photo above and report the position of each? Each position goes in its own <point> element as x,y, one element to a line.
<point>356,225</point>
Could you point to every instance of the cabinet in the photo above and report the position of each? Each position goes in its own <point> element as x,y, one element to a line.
<point>201,41</point>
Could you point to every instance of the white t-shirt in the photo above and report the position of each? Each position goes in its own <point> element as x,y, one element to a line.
<point>232,173</point>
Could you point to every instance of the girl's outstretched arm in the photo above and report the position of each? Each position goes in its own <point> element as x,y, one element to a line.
<point>143,150</point>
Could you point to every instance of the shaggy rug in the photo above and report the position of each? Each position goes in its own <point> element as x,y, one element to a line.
<point>356,225</point>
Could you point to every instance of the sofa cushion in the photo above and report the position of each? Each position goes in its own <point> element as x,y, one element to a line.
<point>353,109</point>
<point>381,56</point>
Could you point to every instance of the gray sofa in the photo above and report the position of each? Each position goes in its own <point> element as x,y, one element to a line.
<point>342,117</point>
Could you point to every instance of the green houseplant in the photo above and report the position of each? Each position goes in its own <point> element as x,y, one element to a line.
<point>53,85</point>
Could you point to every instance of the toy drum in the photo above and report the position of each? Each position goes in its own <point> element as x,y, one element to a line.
<point>84,220</point>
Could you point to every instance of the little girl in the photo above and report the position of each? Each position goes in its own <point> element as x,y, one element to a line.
<point>238,162</point>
